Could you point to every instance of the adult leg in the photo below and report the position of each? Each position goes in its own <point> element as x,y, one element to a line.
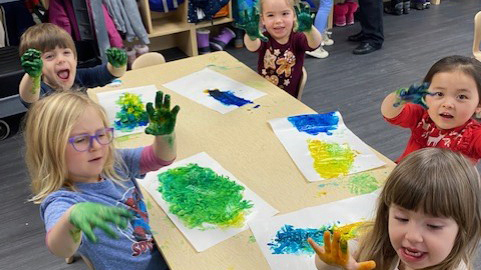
<point>371,12</point>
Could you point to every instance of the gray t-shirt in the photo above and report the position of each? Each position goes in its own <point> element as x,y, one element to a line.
<point>135,248</point>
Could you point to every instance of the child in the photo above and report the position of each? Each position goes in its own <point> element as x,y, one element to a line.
<point>281,51</point>
<point>83,183</point>
<point>48,50</point>
<point>428,217</point>
<point>320,23</point>
<point>452,99</point>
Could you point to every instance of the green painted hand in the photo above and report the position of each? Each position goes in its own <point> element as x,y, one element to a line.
<point>251,24</point>
<point>117,57</point>
<point>86,216</point>
<point>415,94</point>
<point>336,252</point>
<point>161,119</point>
<point>32,63</point>
<point>304,18</point>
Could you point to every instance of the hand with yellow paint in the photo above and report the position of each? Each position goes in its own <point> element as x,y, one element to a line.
<point>336,253</point>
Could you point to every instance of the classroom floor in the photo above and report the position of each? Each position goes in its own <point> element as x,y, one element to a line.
<point>354,85</point>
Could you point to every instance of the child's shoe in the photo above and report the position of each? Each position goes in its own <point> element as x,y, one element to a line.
<point>339,14</point>
<point>239,38</point>
<point>406,7</point>
<point>141,49</point>
<point>203,41</point>
<point>427,4</point>
<point>219,42</point>
<point>352,7</point>
<point>131,56</point>
<point>395,7</point>
<point>318,53</point>
<point>326,40</point>
<point>419,4</point>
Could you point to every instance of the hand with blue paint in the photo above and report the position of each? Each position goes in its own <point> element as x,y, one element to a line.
<point>414,94</point>
<point>162,118</point>
<point>304,18</point>
<point>336,253</point>
<point>251,25</point>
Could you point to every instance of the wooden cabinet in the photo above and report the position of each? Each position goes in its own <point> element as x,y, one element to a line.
<point>171,29</point>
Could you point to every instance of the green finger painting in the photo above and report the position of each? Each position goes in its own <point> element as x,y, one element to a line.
<point>198,196</point>
<point>132,113</point>
<point>362,184</point>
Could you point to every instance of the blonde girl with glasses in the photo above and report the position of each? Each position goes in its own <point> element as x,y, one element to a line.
<point>89,199</point>
<point>428,217</point>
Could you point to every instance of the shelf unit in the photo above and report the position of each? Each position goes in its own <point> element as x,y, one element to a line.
<point>171,29</point>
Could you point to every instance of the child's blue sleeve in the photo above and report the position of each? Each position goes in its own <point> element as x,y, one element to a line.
<point>93,77</point>
<point>131,159</point>
<point>53,207</point>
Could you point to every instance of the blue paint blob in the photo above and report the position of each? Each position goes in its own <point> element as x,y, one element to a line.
<point>228,98</point>
<point>290,240</point>
<point>257,106</point>
<point>314,124</point>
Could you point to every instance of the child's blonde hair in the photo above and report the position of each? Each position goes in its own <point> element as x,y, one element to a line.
<point>46,37</point>
<point>47,129</point>
<point>440,183</point>
<point>290,3</point>
<point>468,65</point>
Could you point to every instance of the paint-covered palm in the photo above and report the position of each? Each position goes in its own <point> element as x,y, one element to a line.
<point>86,216</point>
<point>32,63</point>
<point>304,18</point>
<point>336,252</point>
<point>414,94</point>
<point>117,57</point>
<point>250,23</point>
<point>162,118</point>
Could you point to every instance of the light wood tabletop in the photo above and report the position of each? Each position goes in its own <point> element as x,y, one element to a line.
<point>243,142</point>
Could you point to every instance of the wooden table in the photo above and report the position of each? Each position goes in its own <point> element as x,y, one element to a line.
<point>244,144</point>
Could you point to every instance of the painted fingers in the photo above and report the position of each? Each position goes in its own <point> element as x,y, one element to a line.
<point>161,118</point>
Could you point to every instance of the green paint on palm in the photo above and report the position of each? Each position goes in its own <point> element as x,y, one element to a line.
<point>162,118</point>
<point>252,239</point>
<point>362,184</point>
<point>32,63</point>
<point>304,18</point>
<point>199,196</point>
<point>250,23</point>
<point>116,57</point>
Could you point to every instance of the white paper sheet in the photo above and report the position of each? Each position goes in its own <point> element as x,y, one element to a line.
<point>193,86</point>
<point>296,145</point>
<point>344,212</point>
<point>204,239</point>
<point>108,101</point>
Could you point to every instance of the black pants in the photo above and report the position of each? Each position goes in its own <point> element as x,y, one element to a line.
<point>371,12</point>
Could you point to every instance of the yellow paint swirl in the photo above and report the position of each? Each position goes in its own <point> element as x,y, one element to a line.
<point>331,159</point>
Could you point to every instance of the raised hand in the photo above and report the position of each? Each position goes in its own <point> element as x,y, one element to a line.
<point>304,18</point>
<point>251,24</point>
<point>415,94</point>
<point>86,216</point>
<point>336,252</point>
<point>32,63</point>
<point>161,119</point>
<point>116,57</point>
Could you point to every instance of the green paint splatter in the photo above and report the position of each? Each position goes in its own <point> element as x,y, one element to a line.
<point>132,113</point>
<point>362,184</point>
<point>198,195</point>
<point>252,239</point>
<point>331,159</point>
<point>149,204</point>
